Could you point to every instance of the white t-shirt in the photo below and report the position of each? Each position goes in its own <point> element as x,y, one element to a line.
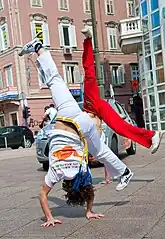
<point>66,151</point>
<point>52,112</point>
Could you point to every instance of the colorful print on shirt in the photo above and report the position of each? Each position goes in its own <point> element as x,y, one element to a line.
<point>65,153</point>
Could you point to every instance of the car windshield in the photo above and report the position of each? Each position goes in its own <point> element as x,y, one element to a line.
<point>4,130</point>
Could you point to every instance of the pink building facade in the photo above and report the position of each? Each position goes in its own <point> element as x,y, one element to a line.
<point>61,22</point>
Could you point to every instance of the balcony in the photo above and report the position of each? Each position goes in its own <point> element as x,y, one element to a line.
<point>9,93</point>
<point>130,35</point>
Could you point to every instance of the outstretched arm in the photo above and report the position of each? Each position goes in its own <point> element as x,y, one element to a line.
<point>89,213</point>
<point>50,221</point>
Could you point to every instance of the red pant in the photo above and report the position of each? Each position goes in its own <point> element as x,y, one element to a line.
<point>93,103</point>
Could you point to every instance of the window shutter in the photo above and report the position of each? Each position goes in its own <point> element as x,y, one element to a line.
<point>72,36</point>
<point>61,35</point>
<point>60,4</point>
<point>114,41</point>
<point>46,34</point>
<point>112,75</point>
<point>77,77</point>
<point>87,5</point>
<point>1,81</point>
<point>64,72</point>
<point>121,75</point>
<point>1,5</point>
<point>9,76</point>
<point>7,35</point>
<point>109,38</point>
<point>112,7</point>
<point>1,38</point>
<point>108,6</point>
<point>68,74</point>
<point>37,3</point>
<point>65,4</point>
<point>34,2</point>
<point>33,29</point>
<point>112,38</point>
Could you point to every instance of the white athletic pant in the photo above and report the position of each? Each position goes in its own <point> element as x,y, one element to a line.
<point>67,106</point>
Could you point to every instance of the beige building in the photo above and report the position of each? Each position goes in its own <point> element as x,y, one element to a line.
<point>61,22</point>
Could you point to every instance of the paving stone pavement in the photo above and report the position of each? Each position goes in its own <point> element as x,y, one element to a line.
<point>138,212</point>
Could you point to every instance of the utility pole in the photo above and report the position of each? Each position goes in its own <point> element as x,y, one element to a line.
<point>96,50</point>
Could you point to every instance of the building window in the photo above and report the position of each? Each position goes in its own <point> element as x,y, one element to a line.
<point>112,38</point>
<point>117,75</point>
<point>135,72</point>
<point>9,75</point>
<point>1,81</point>
<point>63,5</point>
<point>130,8</point>
<point>38,26</point>
<point>71,73</point>
<point>1,5</point>
<point>157,45</point>
<point>159,60</point>
<point>14,119</point>
<point>155,19</point>
<point>67,34</point>
<point>109,7</point>
<point>36,3</point>
<point>154,5</point>
<point>4,34</point>
<point>144,9</point>
<point>87,7</point>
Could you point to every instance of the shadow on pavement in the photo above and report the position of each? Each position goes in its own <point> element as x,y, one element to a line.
<point>123,156</point>
<point>97,180</point>
<point>138,180</point>
<point>72,212</point>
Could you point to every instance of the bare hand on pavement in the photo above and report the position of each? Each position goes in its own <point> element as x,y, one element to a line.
<point>51,222</point>
<point>90,215</point>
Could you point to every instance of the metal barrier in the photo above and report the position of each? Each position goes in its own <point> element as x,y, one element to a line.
<point>5,142</point>
<point>24,139</point>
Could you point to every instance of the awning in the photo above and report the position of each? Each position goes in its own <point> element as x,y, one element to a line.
<point>9,93</point>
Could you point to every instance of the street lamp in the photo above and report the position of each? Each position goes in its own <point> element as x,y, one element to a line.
<point>96,50</point>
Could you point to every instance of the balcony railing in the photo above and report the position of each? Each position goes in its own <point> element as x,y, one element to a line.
<point>131,26</point>
<point>130,34</point>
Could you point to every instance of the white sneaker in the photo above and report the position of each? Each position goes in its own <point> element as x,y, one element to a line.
<point>87,33</point>
<point>156,139</point>
<point>30,46</point>
<point>124,180</point>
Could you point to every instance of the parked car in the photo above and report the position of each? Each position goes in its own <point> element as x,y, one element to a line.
<point>16,136</point>
<point>118,144</point>
<point>116,139</point>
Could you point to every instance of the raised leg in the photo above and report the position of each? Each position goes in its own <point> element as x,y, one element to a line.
<point>93,103</point>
